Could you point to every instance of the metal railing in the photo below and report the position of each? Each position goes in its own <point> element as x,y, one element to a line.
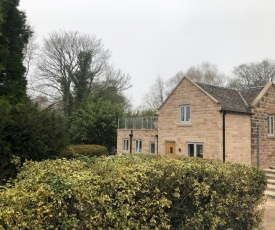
<point>138,122</point>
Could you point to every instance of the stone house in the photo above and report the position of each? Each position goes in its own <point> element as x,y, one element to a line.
<point>200,120</point>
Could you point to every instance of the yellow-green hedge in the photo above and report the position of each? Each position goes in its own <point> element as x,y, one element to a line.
<point>75,151</point>
<point>133,192</point>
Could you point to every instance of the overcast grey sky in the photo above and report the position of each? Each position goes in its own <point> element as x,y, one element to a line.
<point>161,37</point>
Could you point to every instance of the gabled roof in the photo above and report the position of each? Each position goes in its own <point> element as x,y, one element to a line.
<point>231,99</point>
<point>250,94</point>
<point>261,93</point>
<point>193,83</point>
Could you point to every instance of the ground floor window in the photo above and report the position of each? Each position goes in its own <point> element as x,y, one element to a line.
<point>152,147</point>
<point>125,145</point>
<point>195,150</point>
<point>138,146</point>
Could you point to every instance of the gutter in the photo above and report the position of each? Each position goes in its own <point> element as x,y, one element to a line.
<point>157,136</point>
<point>259,146</point>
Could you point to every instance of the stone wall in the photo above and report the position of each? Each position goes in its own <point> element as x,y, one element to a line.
<point>146,135</point>
<point>265,107</point>
<point>205,126</point>
<point>237,138</point>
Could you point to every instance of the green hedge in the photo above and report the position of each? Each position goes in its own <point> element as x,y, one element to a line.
<point>208,194</point>
<point>133,192</point>
<point>75,151</point>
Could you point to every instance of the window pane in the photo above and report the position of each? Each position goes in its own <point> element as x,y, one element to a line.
<point>152,147</point>
<point>270,125</point>
<point>188,113</point>
<point>185,113</point>
<point>200,151</point>
<point>125,144</point>
<point>171,150</point>
<point>182,113</point>
<point>191,150</point>
<point>137,145</point>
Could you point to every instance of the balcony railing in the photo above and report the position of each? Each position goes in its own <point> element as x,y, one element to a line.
<point>138,123</point>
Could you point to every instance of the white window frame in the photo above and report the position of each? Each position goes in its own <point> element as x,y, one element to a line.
<point>138,146</point>
<point>270,125</point>
<point>196,144</point>
<point>150,147</point>
<point>125,145</point>
<point>183,109</point>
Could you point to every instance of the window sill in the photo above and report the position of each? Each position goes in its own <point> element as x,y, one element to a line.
<point>185,125</point>
<point>270,136</point>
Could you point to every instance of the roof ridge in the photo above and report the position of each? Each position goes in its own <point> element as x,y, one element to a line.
<point>224,87</point>
<point>221,87</point>
<point>253,87</point>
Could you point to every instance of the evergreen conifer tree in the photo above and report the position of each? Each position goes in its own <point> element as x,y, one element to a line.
<point>14,36</point>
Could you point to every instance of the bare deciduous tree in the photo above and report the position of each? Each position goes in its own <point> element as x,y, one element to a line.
<point>30,53</point>
<point>206,73</point>
<point>253,74</point>
<point>173,82</point>
<point>61,61</point>
<point>156,95</point>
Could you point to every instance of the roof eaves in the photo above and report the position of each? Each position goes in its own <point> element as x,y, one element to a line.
<point>235,111</point>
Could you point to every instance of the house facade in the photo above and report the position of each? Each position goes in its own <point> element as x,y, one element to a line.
<point>200,120</point>
<point>262,127</point>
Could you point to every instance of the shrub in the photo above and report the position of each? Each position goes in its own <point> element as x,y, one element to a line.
<point>134,192</point>
<point>74,194</point>
<point>95,122</point>
<point>208,194</point>
<point>75,151</point>
<point>27,132</point>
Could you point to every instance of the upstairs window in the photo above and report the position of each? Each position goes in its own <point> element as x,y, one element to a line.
<point>125,145</point>
<point>270,125</point>
<point>185,113</point>
<point>138,146</point>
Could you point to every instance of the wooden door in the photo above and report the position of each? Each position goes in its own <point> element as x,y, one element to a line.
<point>170,148</point>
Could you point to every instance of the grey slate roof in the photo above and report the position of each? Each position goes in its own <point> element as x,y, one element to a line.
<point>231,99</point>
<point>251,93</point>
